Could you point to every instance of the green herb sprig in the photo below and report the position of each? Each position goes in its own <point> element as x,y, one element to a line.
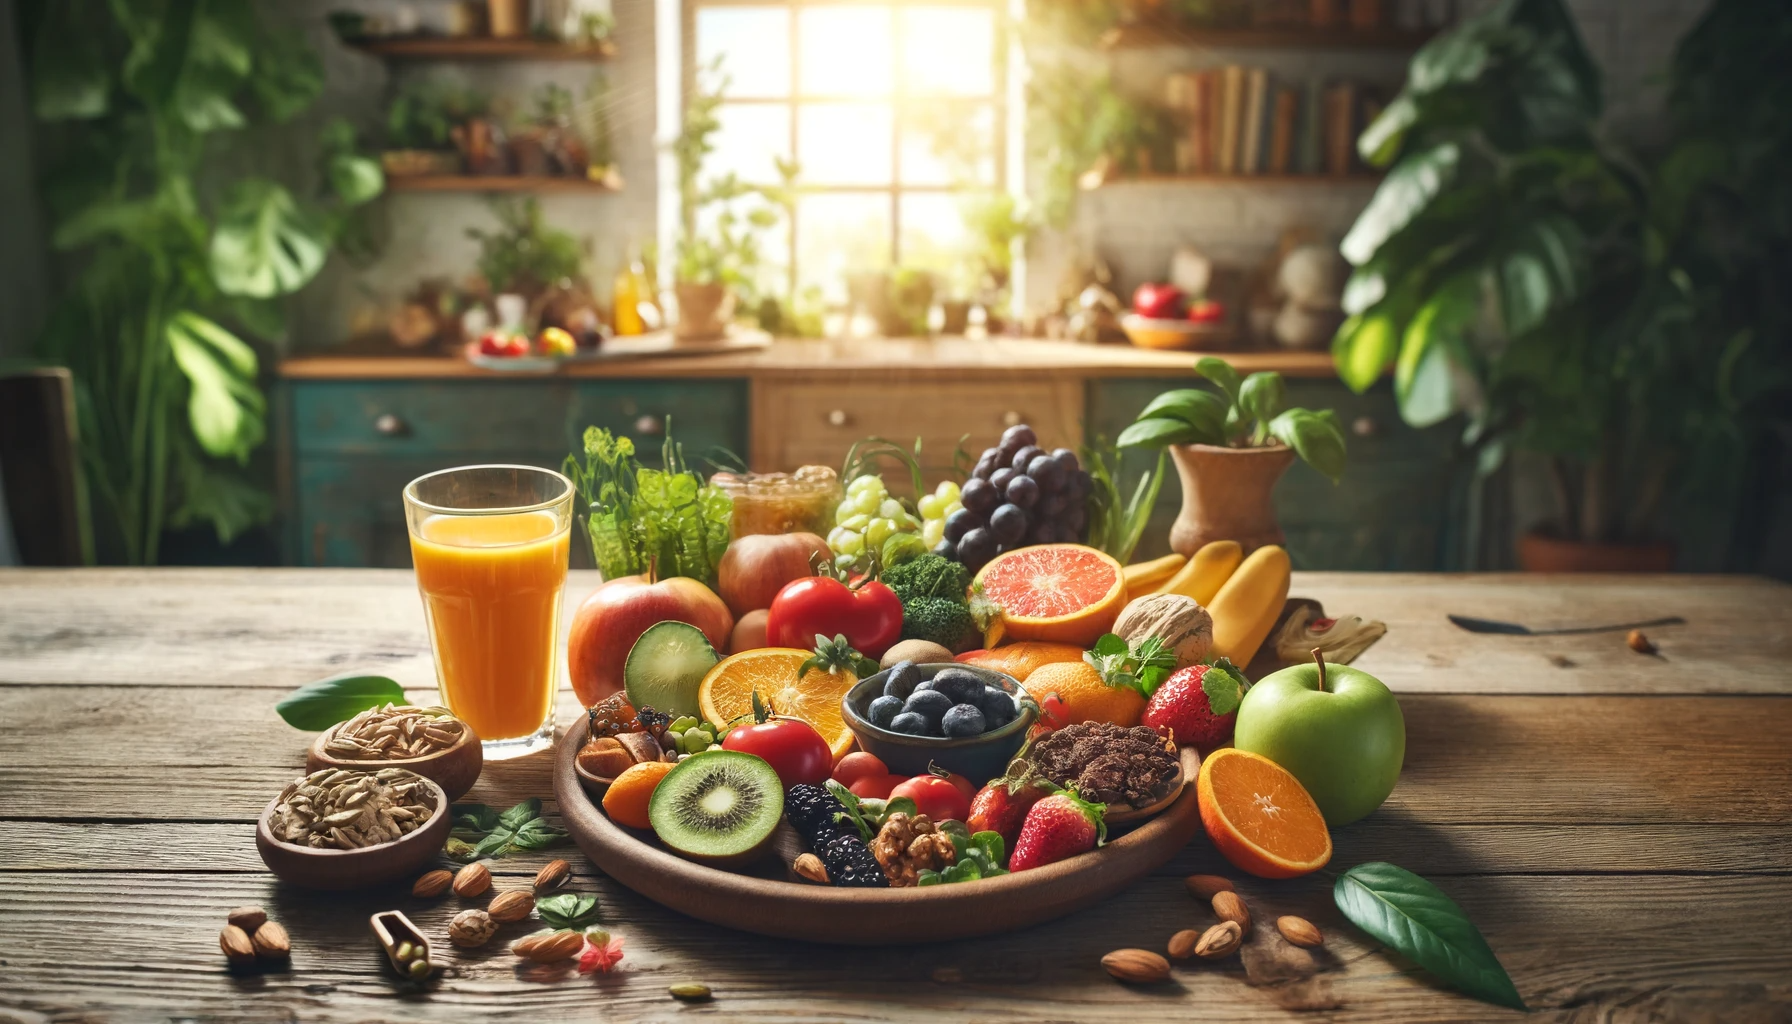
<point>1142,666</point>
<point>493,834</point>
<point>665,521</point>
<point>867,814</point>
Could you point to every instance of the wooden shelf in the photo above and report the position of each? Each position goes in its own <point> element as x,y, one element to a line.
<point>492,183</point>
<point>1242,179</point>
<point>1150,34</point>
<point>479,48</point>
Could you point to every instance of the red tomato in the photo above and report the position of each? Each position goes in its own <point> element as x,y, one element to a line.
<point>876,787</point>
<point>859,765</point>
<point>935,797</point>
<point>1157,301</point>
<point>1206,311</point>
<point>870,616</point>
<point>793,748</point>
<point>964,786</point>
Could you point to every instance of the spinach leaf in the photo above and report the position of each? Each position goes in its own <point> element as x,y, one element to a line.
<point>568,910</point>
<point>494,835</point>
<point>1415,918</point>
<point>317,706</point>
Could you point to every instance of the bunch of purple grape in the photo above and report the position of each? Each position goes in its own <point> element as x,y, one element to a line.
<point>1019,494</point>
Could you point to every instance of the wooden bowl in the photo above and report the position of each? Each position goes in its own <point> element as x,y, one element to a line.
<point>1146,332</point>
<point>454,769</point>
<point>866,917</point>
<point>978,758</point>
<point>355,869</point>
<point>1188,762</point>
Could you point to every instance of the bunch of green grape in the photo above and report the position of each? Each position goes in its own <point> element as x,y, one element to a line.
<point>935,509</point>
<point>868,516</point>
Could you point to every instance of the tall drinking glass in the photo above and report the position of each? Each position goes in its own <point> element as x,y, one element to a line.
<point>490,546</point>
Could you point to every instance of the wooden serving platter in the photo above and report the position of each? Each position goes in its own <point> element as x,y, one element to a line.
<point>867,917</point>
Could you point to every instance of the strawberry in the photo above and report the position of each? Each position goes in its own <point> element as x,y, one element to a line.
<point>1002,805</point>
<point>1059,826</point>
<point>1197,704</point>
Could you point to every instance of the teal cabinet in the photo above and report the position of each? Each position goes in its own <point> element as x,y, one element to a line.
<point>1395,510</point>
<point>352,445</point>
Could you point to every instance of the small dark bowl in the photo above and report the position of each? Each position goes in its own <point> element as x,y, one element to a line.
<point>355,869</point>
<point>978,758</point>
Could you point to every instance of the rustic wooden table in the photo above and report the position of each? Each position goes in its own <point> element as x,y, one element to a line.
<point>1619,825</point>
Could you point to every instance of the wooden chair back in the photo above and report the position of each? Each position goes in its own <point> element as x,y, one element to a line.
<point>40,467</point>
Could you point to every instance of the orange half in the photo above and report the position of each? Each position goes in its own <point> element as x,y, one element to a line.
<point>726,695</point>
<point>1063,593</point>
<point>1259,816</point>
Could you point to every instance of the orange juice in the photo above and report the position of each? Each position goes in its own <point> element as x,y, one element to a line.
<point>491,589</point>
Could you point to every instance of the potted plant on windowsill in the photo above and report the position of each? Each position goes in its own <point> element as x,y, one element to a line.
<point>1230,448</point>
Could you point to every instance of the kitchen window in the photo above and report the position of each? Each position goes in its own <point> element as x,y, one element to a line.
<point>892,112</point>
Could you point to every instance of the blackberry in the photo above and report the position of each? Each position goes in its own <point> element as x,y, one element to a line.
<point>811,810</point>
<point>850,863</point>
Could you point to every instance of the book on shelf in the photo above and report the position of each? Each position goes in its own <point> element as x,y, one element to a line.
<point>1250,150</point>
<point>1340,124</point>
<point>1312,129</point>
<point>1281,129</point>
<point>1230,117</point>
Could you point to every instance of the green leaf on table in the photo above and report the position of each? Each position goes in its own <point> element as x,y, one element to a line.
<point>494,835</point>
<point>569,910</point>
<point>1416,919</point>
<point>317,706</point>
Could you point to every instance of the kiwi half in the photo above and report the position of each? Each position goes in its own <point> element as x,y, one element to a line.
<point>718,807</point>
<point>666,666</point>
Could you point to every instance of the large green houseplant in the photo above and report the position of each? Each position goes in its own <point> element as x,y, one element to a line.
<point>172,250</point>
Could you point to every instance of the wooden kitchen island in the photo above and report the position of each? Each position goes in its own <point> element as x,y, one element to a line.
<point>1619,825</point>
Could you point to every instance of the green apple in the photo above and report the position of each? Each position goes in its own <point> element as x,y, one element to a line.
<point>1335,728</point>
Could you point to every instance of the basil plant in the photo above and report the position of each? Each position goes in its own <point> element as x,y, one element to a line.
<point>1247,413</point>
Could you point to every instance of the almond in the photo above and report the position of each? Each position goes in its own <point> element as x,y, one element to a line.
<point>236,945</point>
<point>1229,906</point>
<point>549,947</point>
<point>432,884</point>
<point>552,876</point>
<point>1300,931</point>
<point>810,866</point>
<point>472,880</point>
<point>1202,887</point>
<point>271,941</point>
<point>1182,944</point>
<point>247,918</point>
<point>511,906</point>
<point>1220,940</point>
<point>1136,966</point>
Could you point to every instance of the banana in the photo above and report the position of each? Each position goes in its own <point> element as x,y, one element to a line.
<point>1205,573</point>
<point>1145,577</point>
<point>1248,605</point>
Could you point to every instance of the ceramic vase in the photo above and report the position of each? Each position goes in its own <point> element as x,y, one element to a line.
<point>1227,494</point>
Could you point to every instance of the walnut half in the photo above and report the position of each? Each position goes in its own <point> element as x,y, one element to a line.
<point>906,846</point>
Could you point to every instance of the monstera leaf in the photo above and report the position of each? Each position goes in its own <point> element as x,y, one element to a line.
<point>265,245</point>
<point>223,404</point>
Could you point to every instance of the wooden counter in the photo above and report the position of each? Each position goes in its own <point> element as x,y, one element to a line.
<point>1619,826</point>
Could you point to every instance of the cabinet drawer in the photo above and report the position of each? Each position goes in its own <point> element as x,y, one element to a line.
<point>477,417</point>
<point>816,421</point>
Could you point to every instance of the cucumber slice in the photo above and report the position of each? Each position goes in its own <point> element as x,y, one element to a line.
<point>666,666</point>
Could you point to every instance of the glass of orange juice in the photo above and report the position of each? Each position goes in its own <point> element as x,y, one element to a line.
<point>490,546</point>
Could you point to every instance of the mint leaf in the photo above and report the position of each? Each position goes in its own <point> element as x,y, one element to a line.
<point>1415,918</point>
<point>855,812</point>
<point>526,811</point>
<point>568,910</point>
<point>1223,686</point>
<point>494,834</point>
<point>317,706</point>
<point>1109,646</point>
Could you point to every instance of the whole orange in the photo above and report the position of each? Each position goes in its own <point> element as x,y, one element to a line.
<point>1022,659</point>
<point>1083,694</point>
<point>626,799</point>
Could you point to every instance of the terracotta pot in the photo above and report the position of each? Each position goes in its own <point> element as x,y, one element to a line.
<point>508,17</point>
<point>1539,552</point>
<point>1226,495</point>
<point>703,311</point>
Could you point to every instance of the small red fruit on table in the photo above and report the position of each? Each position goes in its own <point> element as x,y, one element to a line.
<point>1061,825</point>
<point>940,799</point>
<point>1198,704</point>
<point>866,612</point>
<point>1207,311</point>
<point>1002,805</point>
<point>1157,301</point>
<point>792,747</point>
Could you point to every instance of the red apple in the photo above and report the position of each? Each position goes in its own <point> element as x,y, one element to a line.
<point>1207,311</point>
<point>609,622</point>
<point>1157,301</point>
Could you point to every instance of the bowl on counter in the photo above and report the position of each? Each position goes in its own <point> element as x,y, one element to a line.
<point>455,769</point>
<point>978,758</point>
<point>1173,335</point>
<point>354,869</point>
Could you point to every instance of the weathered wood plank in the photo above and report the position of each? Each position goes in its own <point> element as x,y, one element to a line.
<point>1430,849</point>
<point>1609,948</point>
<point>280,628</point>
<point>1470,759</point>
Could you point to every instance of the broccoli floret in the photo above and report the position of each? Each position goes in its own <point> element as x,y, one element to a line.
<point>940,619</point>
<point>928,575</point>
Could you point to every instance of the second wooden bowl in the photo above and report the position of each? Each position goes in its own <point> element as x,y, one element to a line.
<point>355,869</point>
<point>454,769</point>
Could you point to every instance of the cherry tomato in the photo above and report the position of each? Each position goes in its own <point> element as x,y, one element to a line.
<point>876,787</point>
<point>870,615</point>
<point>964,786</point>
<point>859,765</point>
<point>793,748</point>
<point>935,797</point>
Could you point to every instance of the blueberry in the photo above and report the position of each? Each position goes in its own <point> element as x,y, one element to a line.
<point>979,496</point>
<point>999,479</point>
<point>925,684</point>
<point>929,704</point>
<point>962,686</point>
<point>901,680</point>
<point>962,720</point>
<point>998,708</point>
<point>1023,458</point>
<point>1020,435</point>
<point>960,523</point>
<point>1008,523</point>
<point>884,710</point>
<point>976,548</point>
<point>1047,473</point>
<point>1022,491</point>
<point>910,723</point>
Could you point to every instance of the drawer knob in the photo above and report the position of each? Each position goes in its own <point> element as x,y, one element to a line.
<point>390,426</point>
<point>1013,418</point>
<point>837,418</point>
<point>648,424</point>
<point>1365,426</point>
